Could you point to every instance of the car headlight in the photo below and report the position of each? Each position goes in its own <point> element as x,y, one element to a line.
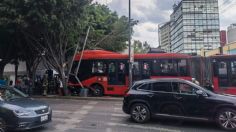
<point>24,113</point>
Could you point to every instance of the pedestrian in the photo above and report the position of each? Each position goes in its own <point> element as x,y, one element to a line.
<point>209,86</point>
<point>45,85</point>
<point>11,83</point>
<point>61,91</point>
<point>195,81</point>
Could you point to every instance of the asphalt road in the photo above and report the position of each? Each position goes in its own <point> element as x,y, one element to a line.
<point>107,116</point>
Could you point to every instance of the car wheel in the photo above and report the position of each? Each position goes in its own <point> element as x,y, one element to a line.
<point>140,113</point>
<point>98,90</point>
<point>2,125</point>
<point>172,110</point>
<point>226,119</point>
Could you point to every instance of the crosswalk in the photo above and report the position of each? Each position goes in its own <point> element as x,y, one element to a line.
<point>97,116</point>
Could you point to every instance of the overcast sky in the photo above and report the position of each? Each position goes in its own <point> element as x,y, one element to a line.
<point>150,13</point>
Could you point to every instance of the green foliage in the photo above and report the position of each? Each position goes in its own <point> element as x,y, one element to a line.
<point>140,47</point>
<point>108,30</point>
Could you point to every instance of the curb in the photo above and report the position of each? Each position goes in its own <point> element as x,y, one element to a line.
<point>106,98</point>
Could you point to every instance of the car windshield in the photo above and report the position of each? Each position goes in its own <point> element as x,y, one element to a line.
<point>7,94</point>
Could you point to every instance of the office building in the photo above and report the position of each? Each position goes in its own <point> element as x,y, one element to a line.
<point>195,26</point>
<point>164,36</point>
<point>231,33</point>
<point>223,38</point>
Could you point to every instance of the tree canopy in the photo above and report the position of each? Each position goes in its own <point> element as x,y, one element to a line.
<point>51,29</point>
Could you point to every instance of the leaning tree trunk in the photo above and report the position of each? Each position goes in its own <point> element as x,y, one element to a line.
<point>63,79</point>
<point>16,72</point>
<point>2,66</point>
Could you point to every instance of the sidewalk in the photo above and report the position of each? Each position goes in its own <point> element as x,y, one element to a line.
<point>104,98</point>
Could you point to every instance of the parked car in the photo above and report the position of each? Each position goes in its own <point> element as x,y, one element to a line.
<point>179,99</point>
<point>18,112</point>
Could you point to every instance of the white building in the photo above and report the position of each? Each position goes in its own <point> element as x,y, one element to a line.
<point>231,33</point>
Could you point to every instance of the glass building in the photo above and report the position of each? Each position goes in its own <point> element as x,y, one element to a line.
<point>195,26</point>
<point>164,36</point>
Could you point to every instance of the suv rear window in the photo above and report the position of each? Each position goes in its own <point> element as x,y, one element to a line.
<point>162,87</point>
<point>142,87</point>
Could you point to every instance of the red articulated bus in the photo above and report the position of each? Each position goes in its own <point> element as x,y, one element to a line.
<point>220,70</point>
<point>107,72</point>
<point>224,73</point>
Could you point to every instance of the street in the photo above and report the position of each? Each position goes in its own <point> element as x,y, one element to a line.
<point>107,116</point>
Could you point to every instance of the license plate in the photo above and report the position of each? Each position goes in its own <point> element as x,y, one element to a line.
<point>44,118</point>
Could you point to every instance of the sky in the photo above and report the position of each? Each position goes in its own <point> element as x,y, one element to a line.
<point>150,13</point>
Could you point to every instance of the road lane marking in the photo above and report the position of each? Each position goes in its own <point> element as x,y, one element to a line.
<point>108,130</point>
<point>143,127</point>
<point>87,107</point>
<point>119,115</point>
<point>92,102</point>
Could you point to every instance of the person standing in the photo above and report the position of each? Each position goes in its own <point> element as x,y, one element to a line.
<point>45,85</point>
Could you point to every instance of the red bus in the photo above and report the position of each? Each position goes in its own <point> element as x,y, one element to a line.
<point>107,72</point>
<point>224,73</point>
<point>220,70</point>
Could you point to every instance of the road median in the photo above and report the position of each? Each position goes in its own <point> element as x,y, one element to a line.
<point>104,98</point>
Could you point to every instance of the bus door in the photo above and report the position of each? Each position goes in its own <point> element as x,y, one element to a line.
<point>146,70</point>
<point>116,73</point>
<point>223,73</point>
<point>136,71</point>
<point>226,70</point>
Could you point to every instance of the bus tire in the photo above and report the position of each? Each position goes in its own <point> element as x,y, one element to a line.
<point>98,90</point>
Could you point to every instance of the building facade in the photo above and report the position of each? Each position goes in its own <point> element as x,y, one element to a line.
<point>164,36</point>
<point>223,36</point>
<point>231,33</point>
<point>195,26</point>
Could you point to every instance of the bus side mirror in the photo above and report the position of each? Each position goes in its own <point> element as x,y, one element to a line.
<point>201,93</point>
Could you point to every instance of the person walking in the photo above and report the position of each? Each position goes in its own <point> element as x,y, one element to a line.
<point>45,85</point>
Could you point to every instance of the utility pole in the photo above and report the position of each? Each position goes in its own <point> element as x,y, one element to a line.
<point>130,55</point>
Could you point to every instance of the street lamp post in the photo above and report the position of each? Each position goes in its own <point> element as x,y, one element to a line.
<point>130,56</point>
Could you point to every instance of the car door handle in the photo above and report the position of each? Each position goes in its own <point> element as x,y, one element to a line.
<point>177,97</point>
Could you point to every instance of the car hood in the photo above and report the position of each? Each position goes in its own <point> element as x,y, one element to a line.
<point>227,97</point>
<point>26,103</point>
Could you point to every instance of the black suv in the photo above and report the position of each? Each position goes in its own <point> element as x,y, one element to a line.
<point>179,99</point>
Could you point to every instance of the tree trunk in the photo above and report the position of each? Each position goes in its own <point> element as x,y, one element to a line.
<point>2,66</point>
<point>63,78</point>
<point>16,72</point>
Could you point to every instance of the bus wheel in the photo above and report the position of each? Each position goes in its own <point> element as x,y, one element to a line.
<point>98,90</point>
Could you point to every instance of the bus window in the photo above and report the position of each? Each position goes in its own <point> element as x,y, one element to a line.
<point>136,69</point>
<point>182,67</point>
<point>112,68</point>
<point>223,74</point>
<point>146,70</point>
<point>121,67</point>
<point>233,73</point>
<point>99,67</point>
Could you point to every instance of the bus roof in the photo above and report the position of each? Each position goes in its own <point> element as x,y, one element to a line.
<point>223,56</point>
<point>102,54</point>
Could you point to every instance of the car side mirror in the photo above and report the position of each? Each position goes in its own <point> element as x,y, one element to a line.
<point>201,93</point>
